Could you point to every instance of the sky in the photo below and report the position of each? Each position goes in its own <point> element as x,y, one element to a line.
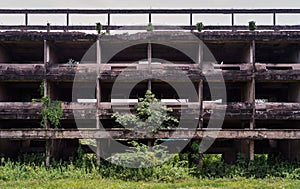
<point>142,19</point>
<point>146,4</point>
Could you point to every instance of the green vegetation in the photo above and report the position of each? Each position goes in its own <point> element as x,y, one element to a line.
<point>29,171</point>
<point>252,26</point>
<point>99,183</point>
<point>150,27</point>
<point>52,112</point>
<point>177,171</point>
<point>99,27</point>
<point>151,164</point>
<point>200,26</point>
<point>150,115</point>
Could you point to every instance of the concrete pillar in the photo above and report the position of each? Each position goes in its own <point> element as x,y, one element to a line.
<point>200,55</point>
<point>252,54</point>
<point>149,85</point>
<point>200,100</point>
<point>252,97</point>
<point>47,93</point>
<point>98,141</point>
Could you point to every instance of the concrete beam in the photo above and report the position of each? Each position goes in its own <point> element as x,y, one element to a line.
<point>129,134</point>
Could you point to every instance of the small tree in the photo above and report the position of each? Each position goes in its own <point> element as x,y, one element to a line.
<point>149,27</point>
<point>150,115</point>
<point>200,26</point>
<point>99,27</point>
<point>252,26</point>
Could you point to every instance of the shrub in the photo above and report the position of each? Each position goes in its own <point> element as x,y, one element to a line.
<point>252,26</point>
<point>99,27</point>
<point>52,112</point>
<point>199,26</point>
<point>150,115</point>
<point>149,27</point>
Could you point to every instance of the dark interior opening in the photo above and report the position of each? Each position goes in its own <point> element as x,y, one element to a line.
<point>275,52</point>
<point>19,91</point>
<point>227,52</point>
<point>82,52</point>
<point>25,52</point>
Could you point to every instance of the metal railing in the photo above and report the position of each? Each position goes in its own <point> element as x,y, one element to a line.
<point>149,12</point>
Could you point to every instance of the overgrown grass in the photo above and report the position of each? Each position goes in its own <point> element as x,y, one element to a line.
<point>237,183</point>
<point>31,167</point>
<point>29,171</point>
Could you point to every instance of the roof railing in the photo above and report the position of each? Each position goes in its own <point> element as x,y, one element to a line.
<point>149,12</point>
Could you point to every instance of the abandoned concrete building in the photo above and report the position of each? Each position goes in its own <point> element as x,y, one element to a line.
<point>261,71</point>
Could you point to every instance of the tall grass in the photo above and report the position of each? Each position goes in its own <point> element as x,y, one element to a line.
<point>32,167</point>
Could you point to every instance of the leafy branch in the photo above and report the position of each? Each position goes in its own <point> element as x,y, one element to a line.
<point>52,112</point>
<point>150,115</point>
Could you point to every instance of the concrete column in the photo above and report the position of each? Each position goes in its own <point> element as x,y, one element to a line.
<point>149,55</point>
<point>149,85</point>
<point>47,93</point>
<point>200,100</point>
<point>252,97</point>
<point>200,55</point>
<point>251,153</point>
<point>98,141</point>
<point>246,147</point>
<point>48,152</point>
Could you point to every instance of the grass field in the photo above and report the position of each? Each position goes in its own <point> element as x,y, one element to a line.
<point>29,171</point>
<point>199,183</point>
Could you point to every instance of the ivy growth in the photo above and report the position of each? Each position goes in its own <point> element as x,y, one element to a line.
<point>42,89</point>
<point>52,112</point>
<point>150,115</point>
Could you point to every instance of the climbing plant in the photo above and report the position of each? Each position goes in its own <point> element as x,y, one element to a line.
<point>51,112</point>
<point>150,115</point>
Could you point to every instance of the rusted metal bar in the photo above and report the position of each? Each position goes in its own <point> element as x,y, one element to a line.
<point>147,11</point>
<point>142,27</point>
